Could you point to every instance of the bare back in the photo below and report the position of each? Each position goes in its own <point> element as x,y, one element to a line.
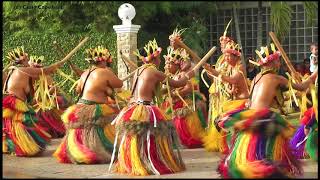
<point>146,84</point>
<point>18,84</point>
<point>99,84</point>
<point>264,90</point>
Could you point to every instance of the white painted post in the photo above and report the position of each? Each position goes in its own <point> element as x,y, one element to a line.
<point>126,39</point>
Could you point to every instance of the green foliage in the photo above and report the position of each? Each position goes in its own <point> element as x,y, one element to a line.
<point>311,10</point>
<point>42,44</point>
<point>280,18</point>
<point>157,19</point>
<point>67,22</point>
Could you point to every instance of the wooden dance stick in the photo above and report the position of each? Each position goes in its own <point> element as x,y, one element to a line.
<point>204,59</point>
<point>74,50</point>
<point>130,75</point>
<point>195,68</point>
<point>132,65</point>
<point>193,54</point>
<point>285,57</point>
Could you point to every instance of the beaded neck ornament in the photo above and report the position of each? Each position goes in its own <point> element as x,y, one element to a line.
<point>98,54</point>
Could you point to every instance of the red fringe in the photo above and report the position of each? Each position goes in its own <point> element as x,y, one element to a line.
<point>127,159</point>
<point>51,122</point>
<point>39,130</point>
<point>6,129</point>
<point>62,154</point>
<point>157,113</point>
<point>158,164</point>
<point>9,101</point>
<point>90,155</point>
<point>72,117</point>
<point>184,134</point>
<point>222,169</point>
<point>224,143</point>
<point>128,114</point>
<point>307,116</point>
<point>178,104</point>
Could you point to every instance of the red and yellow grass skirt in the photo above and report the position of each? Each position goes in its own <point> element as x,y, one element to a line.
<point>21,133</point>
<point>261,148</point>
<point>216,140</point>
<point>51,119</point>
<point>146,138</point>
<point>89,136</point>
<point>188,123</point>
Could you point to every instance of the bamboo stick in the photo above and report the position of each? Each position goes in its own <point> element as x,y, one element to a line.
<point>285,57</point>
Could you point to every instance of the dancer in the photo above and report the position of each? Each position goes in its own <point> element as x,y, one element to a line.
<point>261,147</point>
<point>50,108</point>
<point>305,140</point>
<point>220,92</point>
<point>89,135</point>
<point>22,133</point>
<point>216,139</point>
<point>145,134</point>
<point>189,122</point>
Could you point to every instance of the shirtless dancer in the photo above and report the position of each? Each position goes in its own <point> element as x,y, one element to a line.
<point>145,134</point>
<point>189,108</point>
<point>261,148</point>
<point>89,137</point>
<point>50,112</point>
<point>22,134</point>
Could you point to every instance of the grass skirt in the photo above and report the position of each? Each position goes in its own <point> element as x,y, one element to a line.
<point>306,146</point>
<point>215,139</point>
<point>190,125</point>
<point>51,119</point>
<point>89,136</point>
<point>261,147</point>
<point>146,139</point>
<point>22,134</point>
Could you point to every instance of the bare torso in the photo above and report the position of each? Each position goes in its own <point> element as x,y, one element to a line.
<point>146,84</point>
<point>264,90</point>
<point>98,85</point>
<point>18,84</point>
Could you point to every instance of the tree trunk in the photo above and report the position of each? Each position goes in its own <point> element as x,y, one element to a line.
<point>259,25</point>
<point>236,21</point>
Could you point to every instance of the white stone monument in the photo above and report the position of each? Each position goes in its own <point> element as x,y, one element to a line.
<point>126,39</point>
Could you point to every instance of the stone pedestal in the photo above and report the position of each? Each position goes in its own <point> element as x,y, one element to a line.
<point>127,43</point>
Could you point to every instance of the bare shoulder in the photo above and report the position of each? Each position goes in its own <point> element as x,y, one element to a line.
<point>242,68</point>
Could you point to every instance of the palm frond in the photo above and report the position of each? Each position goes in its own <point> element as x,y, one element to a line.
<point>311,9</point>
<point>280,18</point>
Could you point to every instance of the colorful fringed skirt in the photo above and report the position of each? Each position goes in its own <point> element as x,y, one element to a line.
<point>215,139</point>
<point>306,145</point>
<point>189,121</point>
<point>22,135</point>
<point>261,148</point>
<point>146,138</point>
<point>89,134</point>
<point>51,119</point>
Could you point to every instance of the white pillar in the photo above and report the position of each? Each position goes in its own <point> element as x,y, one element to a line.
<point>126,39</point>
